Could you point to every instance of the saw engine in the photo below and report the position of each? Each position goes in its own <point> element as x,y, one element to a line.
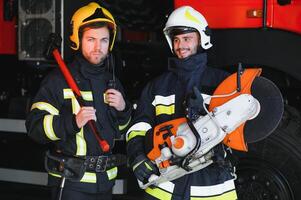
<point>181,146</point>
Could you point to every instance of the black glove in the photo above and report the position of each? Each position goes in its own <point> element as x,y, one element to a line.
<point>143,168</point>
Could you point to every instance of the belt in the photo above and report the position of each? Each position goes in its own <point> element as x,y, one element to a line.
<point>102,163</point>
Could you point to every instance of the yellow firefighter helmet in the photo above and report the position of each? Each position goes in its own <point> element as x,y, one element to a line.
<point>90,13</point>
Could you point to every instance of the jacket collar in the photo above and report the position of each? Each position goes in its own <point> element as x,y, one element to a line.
<point>185,67</point>
<point>88,70</point>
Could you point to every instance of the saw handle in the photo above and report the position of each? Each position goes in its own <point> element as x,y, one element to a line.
<point>238,78</point>
<point>151,180</point>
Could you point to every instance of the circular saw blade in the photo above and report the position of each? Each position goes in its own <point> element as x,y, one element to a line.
<point>271,110</point>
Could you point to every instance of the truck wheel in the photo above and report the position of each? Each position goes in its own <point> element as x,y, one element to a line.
<point>271,169</point>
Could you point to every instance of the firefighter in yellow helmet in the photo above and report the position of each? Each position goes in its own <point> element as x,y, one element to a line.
<point>175,94</point>
<point>57,118</point>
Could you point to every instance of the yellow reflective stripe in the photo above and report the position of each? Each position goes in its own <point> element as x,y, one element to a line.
<point>89,177</point>
<point>75,106</point>
<point>105,98</point>
<point>212,190</point>
<point>164,100</point>
<point>229,196</point>
<point>68,93</point>
<point>45,106</point>
<point>158,193</point>
<point>48,128</point>
<point>148,167</point>
<point>133,134</point>
<point>140,128</point>
<point>162,191</point>
<point>81,144</point>
<point>168,110</point>
<point>164,104</point>
<point>121,127</point>
<point>86,95</point>
<point>112,173</point>
<point>53,174</point>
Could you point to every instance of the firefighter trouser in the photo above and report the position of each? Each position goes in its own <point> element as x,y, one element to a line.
<point>69,194</point>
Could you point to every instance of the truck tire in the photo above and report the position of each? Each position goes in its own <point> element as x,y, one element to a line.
<point>271,169</point>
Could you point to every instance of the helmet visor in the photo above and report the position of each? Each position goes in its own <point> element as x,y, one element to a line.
<point>178,30</point>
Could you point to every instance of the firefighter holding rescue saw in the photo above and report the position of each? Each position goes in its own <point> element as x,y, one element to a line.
<point>174,94</point>
<point>58,117</point>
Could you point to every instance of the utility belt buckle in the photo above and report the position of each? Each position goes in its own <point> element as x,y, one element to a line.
<point>101,163</point>
<point>98,163</point>
<point>69,167</point>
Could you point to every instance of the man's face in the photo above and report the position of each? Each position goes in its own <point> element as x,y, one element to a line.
<point>185,45</point>
<point>95,44</point>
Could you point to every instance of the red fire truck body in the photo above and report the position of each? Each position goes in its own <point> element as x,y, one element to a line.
<point>223,14</point>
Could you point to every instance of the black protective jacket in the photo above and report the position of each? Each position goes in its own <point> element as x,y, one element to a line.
<point>52,119</point>
<point>163,99</point>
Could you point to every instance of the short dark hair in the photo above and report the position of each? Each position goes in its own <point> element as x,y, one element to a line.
<point>93,25</point>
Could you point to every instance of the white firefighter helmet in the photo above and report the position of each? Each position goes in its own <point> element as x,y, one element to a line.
<point>186,19</point>
<point>90,13</point>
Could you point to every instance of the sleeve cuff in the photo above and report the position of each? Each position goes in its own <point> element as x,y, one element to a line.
<point>70,124</point>
<point>123,116</point>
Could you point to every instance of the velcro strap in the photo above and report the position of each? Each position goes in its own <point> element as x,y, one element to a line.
<point>102,163</point>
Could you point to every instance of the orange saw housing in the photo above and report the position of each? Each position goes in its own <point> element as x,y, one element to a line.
<point>159,137</point>
<point>235,139</point>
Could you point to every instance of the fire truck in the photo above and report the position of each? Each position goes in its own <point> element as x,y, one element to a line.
<point>257,33</point>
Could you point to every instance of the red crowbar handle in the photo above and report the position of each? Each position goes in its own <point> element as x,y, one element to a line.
<point>72,84</point>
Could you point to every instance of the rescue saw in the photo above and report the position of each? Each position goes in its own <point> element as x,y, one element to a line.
<point>244,108</point>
